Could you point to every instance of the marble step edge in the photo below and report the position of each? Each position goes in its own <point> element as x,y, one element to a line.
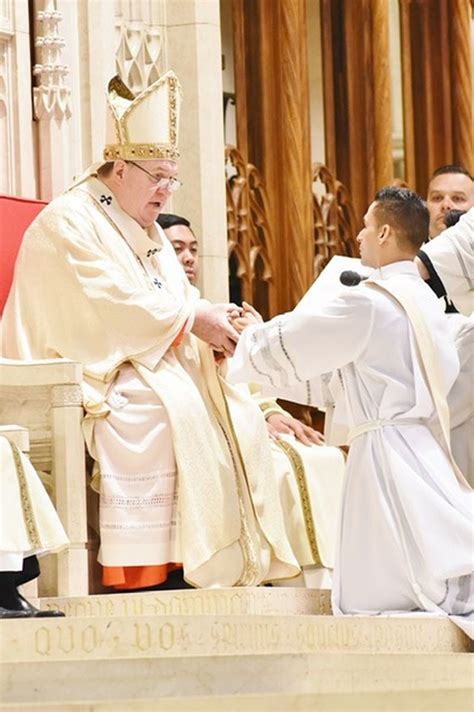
<point>36,640</point>
<point>215,602</point>
<point>401,701</point>
<point>164,681</point>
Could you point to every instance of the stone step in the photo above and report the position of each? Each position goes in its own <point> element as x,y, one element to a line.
<point>103,638</point>
<point>331,682</point>
<point>421,701</point>
<point>194,602</point>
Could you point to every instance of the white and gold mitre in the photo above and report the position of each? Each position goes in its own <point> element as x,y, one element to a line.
<point>144,126</point>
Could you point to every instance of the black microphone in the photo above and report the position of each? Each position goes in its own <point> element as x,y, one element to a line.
<point>350,278</point>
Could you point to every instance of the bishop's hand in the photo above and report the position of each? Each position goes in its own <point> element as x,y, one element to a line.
<point>213,324</point>
<point>279,423</point>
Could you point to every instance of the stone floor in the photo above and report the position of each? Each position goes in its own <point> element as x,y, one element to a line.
<point>230,649</point>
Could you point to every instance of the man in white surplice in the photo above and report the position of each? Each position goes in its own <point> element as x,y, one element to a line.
<point>447,263</point>
<point>184,462</point>
<point>405,540</point>
<point>451,255</point>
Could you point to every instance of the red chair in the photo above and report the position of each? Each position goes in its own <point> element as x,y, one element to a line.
<point>16,214</point>
<point>45,398</point>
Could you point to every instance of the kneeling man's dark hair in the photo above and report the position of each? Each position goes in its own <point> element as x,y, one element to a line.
<point>406,212</point>
<point>166,220</point>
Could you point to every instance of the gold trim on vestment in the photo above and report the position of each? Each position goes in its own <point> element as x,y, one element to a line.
<point>25,499</point>
<point>250,573</point>
<point>298,467</point>
<point>251,570</point>
<point>144,151</point>
<point>271,407</point>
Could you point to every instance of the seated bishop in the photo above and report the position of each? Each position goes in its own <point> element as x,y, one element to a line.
<point>182,460</point>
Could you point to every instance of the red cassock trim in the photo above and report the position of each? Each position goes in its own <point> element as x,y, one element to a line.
<point>123,578</point>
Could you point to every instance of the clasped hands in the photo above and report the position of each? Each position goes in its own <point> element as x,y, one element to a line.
<point>248,316</point>
<point>220,325</point>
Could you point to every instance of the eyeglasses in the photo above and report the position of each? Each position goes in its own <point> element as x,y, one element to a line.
<point>171,184</point>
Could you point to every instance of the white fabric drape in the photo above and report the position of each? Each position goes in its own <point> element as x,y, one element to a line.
<point>461,395</point>
<point>452,255</point>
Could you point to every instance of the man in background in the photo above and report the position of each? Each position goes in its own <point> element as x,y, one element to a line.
<point>451,187</point>
<point>179,232</point>
<point>447,265</point>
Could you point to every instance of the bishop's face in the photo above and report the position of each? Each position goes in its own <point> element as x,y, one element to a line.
<point>369,239</point>
<point>140,194</point>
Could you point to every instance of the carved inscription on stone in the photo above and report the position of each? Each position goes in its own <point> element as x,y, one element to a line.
<point>243,601</point>
<point>207,635</point>
<point>114,638</point>
<point>238,637</point>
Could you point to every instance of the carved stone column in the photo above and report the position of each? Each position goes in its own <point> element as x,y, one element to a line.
<point>272,96</point>
<point>193,47</point>
<point>52,108</point>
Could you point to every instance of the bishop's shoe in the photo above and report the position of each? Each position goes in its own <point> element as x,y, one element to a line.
<point>13,605</point>
<point>21,605</point>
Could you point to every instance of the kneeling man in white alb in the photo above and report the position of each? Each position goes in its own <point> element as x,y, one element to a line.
<point>405,538</point>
